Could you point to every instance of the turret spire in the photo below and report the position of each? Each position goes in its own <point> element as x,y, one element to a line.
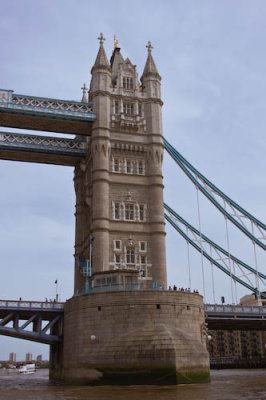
<point>150,67</point>
<point>101,59</point>
<point>101,38</point>
<point>84,95</point>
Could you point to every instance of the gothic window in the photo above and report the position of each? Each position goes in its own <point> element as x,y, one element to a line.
<point>128,108</point>
<point>129,167</point>
<point>142,246</point>
<point>116,165</point>
<point>129,212</point>
<point>116,107</point>
<point>140,168</point>
<point>130,256</point>
<point>117,244</point>
<point>141,212</point>
<point>116,211</point>
<point>127,83</point>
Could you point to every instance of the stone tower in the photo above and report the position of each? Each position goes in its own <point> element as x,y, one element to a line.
<point>119,188</point>
<point>117,330</point>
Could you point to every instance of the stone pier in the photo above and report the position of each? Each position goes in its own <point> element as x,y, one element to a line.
<point>135,337</point>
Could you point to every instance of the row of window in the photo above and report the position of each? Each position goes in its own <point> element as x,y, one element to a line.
<point>127,83</point>
<point>127,108</point>
<point>130,257</point>
<point>118,245</point>
<point>129,211</point>
<point>128,166</point>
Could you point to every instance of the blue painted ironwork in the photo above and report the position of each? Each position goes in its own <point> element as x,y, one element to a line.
<point>213,244</point>
<point>42,106</point>
<point>180,161</point>
<point>41,317</point>
<point>44,144</point>
<point>209,258</point>
<point>176,155</point>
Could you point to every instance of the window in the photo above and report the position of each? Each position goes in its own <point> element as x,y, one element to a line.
<point>127,83</point>
<point>117,258</point>
<point>142,246</point>
<point>128,108</point>
<point>116,107</point>
<point>116,211</point>
<point>141,212</point>
<point>140,167</point>
<point>130,256</point>
<point>129,212</point>
<point>117,244</point>
<point>116,167</point>
<point>129,168</point>
<point>143,260</point>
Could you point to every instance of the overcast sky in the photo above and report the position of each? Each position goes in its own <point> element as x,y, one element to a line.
<point>211,56</point>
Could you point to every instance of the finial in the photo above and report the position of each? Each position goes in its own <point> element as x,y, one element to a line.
<point>84,96</point>
<point>149,47</point>
<point>116,45</point>
<point>101,38</point>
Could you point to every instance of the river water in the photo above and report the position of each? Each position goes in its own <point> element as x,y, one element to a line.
<point>224,385</point>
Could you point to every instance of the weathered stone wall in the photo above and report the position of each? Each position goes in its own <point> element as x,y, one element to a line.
<point>150,337</point>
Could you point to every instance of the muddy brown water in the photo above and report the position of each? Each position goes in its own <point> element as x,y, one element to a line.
<point>224,385</point>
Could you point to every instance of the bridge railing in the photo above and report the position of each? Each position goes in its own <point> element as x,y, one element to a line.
<point>234,309</point>
<point>40,305</point>
<point>11,100</point>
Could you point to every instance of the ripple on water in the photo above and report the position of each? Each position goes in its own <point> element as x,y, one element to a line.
<point>225,384</point>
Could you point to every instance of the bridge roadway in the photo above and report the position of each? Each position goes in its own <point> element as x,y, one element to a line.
<point>43,321</point>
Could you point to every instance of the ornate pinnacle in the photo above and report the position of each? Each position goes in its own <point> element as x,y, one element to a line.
<point>116,45</point>
<point>101,38</point>
<point>149,47</point>
<point>84,96</point>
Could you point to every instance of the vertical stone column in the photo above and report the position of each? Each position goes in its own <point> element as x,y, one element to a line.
<point>100,150</point>
<point>152,110</point>
<point>80,215</point>
<point>100,203</point>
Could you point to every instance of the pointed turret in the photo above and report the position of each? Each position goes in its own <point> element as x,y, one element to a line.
<point>101,71</point>
<point>150,67</point>
<point>151,80</point>
<point>101,59</point>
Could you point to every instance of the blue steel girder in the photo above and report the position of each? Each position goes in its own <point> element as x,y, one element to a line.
<point>36,321</point>
<point>47,114</point>
<point>42,149</point>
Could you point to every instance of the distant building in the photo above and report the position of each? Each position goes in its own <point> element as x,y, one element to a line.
<point>241,345</point>
<point>28,356</point>
<point>252,300</point>
<point>39,357</point>
<point>12,357</point>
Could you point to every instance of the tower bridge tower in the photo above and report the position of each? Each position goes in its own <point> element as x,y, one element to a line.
<point>119,187</point>
<point>117,329</point>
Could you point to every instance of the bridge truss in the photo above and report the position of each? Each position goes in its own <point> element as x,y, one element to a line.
<point>239,271</point>
<point>32,320</point>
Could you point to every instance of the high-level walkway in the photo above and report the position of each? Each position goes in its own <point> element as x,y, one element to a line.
<point>44,114</point>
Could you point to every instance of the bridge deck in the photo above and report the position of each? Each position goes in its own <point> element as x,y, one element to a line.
<point>32,320</point>
<point>41,149</point>
<point>45,114</point>
<point>16,316</point>
<point>223,317</point>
